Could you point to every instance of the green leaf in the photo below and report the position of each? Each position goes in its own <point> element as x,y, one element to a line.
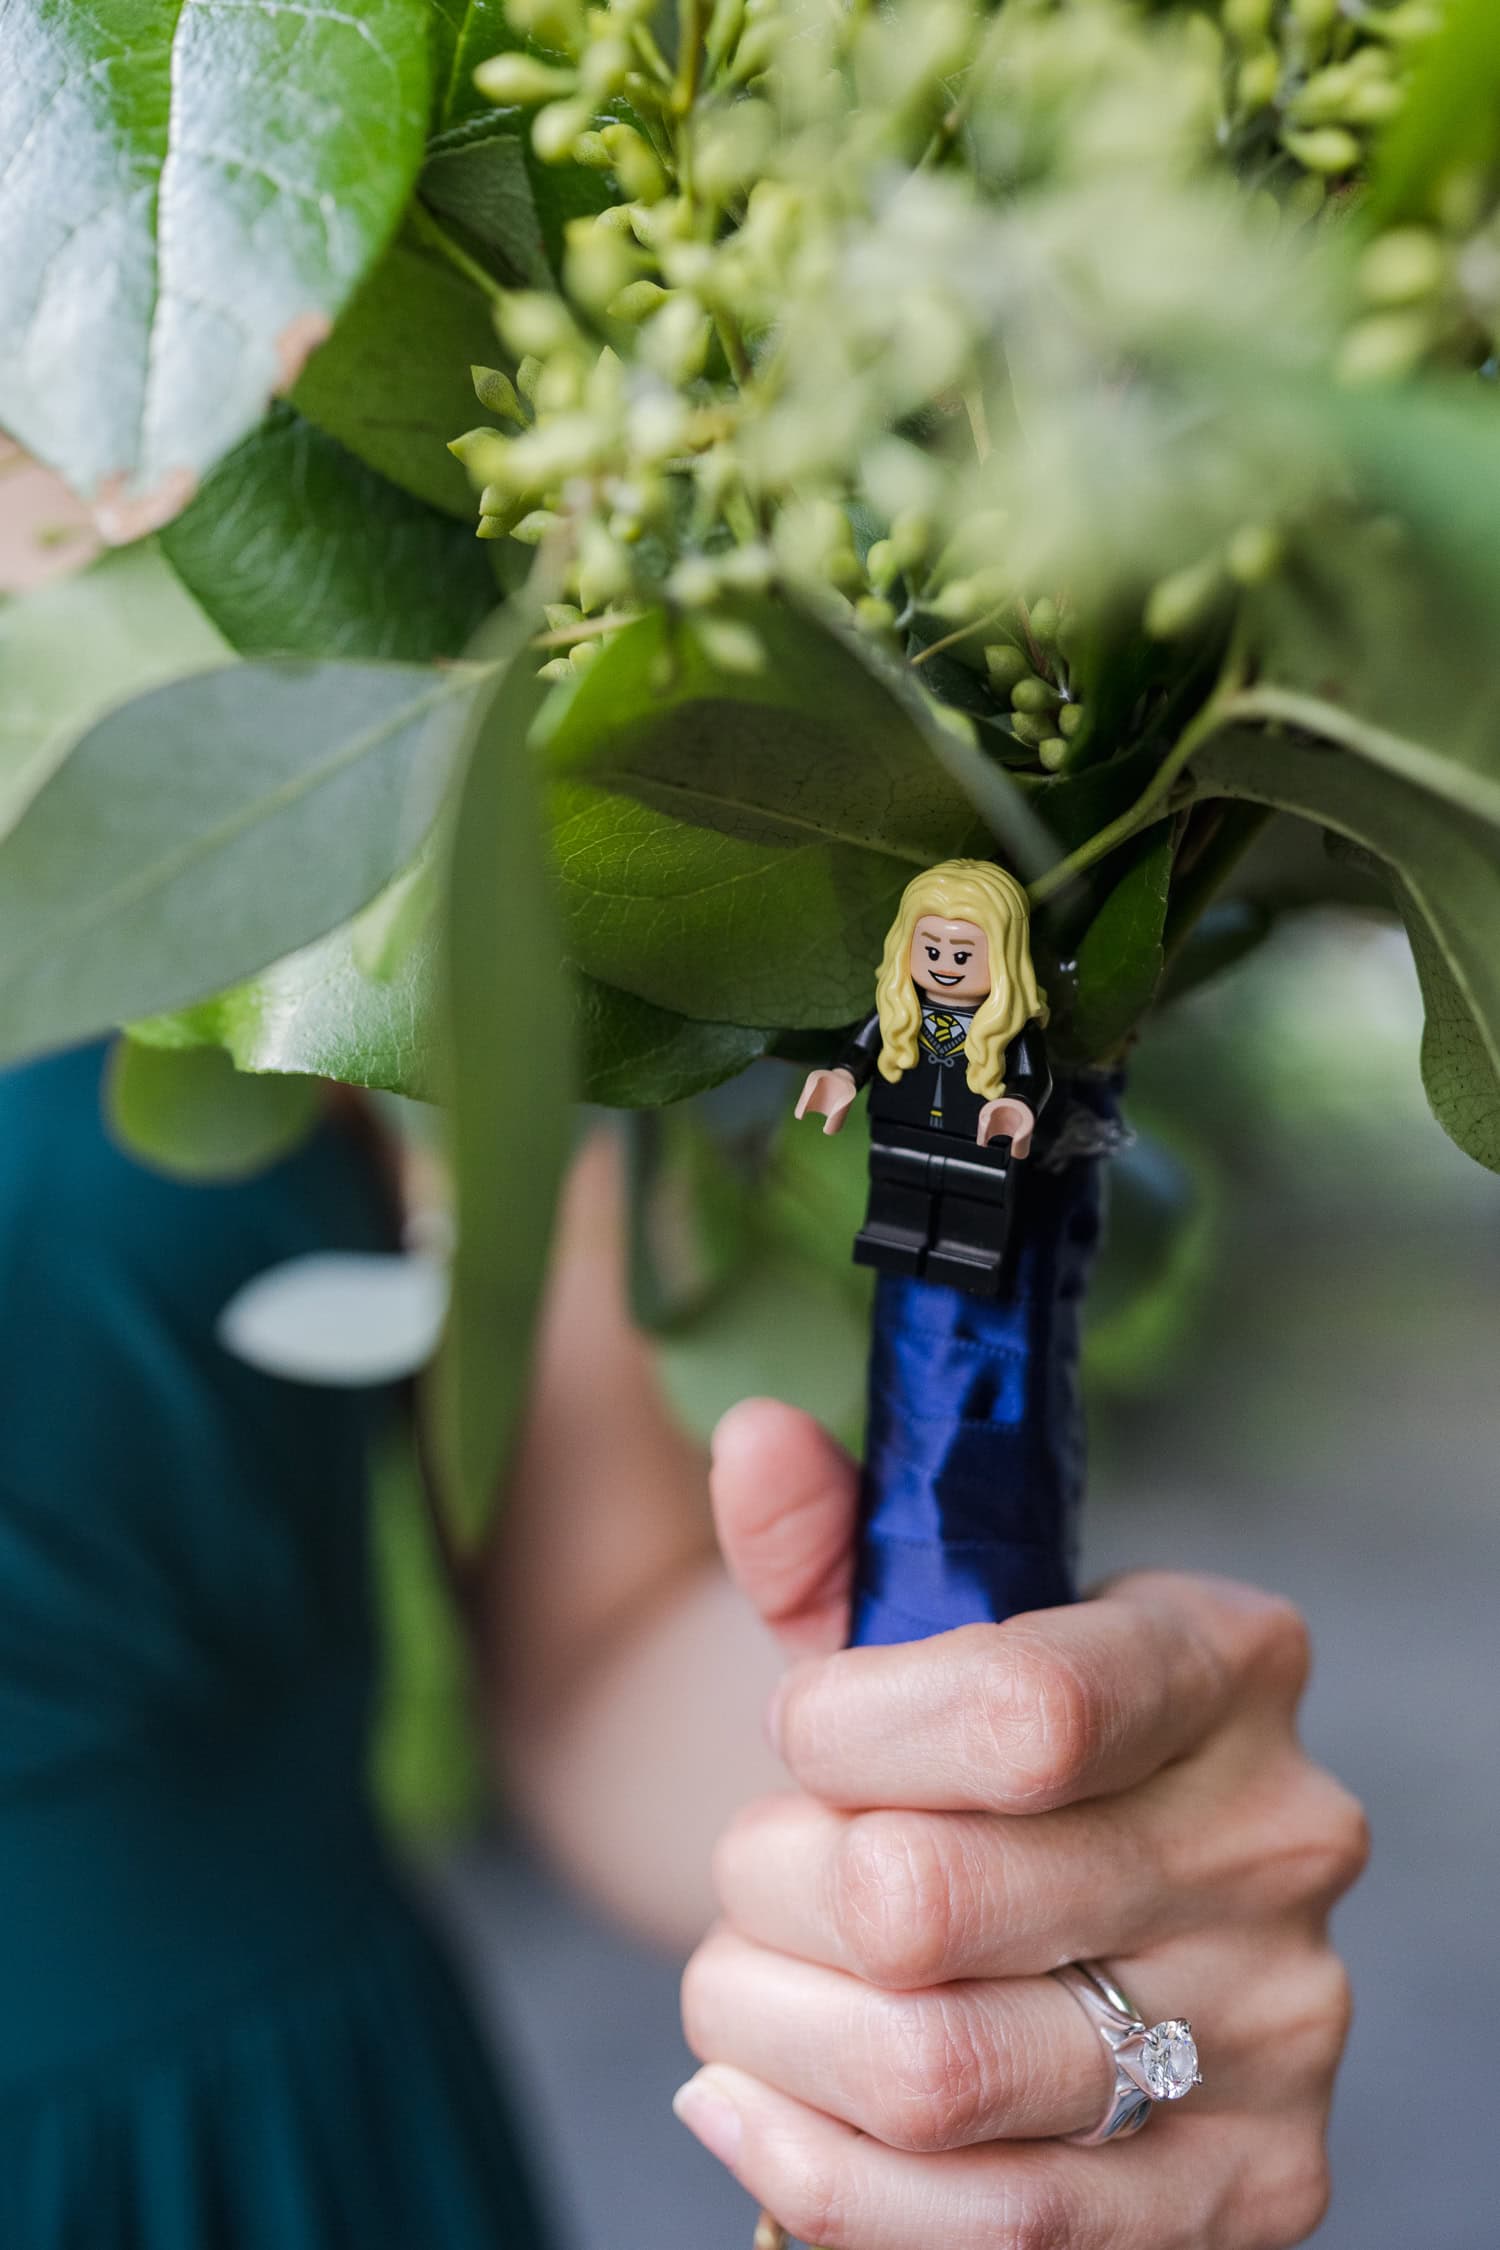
<point>294,546</point>
<point>634,1056</point>
<point>1460,1047</point>
<point>1448,870</point>
<point>203,829</point>
<point>1120,959</point>
<point>509,1063</point>
<point>321,1012</point>
<point>1449,122</point>
<point>74,647</point>
<point>731,844</point>
<point>393,385</point>
<point>465,33</point>
<point>190,1113</point>
<point>483,184</point>
<point>192,193</point>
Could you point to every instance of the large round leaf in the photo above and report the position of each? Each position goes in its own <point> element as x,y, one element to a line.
<point>295,547</point>
<point>731,842</point>
<point>393,384</point>
<point>191,193</point>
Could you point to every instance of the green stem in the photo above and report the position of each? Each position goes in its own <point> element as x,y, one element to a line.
<point>689,56</point>
<point>1459,784</point>
<point>961,633</point>
<point>1155,799</point>
<point>436,237</point>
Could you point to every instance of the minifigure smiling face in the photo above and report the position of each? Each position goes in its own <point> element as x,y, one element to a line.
<point>950,961</point>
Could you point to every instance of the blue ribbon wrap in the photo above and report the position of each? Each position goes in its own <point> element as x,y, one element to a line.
<point>974,1446</point>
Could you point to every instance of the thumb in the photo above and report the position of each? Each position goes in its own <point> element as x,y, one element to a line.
<point>784,1497</point>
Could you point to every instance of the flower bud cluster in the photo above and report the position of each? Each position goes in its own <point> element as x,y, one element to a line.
<point>887,302</point>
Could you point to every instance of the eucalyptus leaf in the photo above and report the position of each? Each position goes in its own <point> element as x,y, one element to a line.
<point>393,384</point>
<point>191,195</point>
<point>188,1112</point>
<point>295,546</point>
<point>731,842</point>
<point>509,1066</point>
<point>76,646</point>
<point>1448,870</point>
<point>197,832</point>
<point>344,1317</point>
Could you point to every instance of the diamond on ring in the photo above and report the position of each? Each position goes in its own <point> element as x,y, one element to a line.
<point>1159,2065</point>
<point>1169,2058</point>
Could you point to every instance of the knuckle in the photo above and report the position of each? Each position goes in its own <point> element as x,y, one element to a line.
<point>1317,2022</point>
<point>1275,2195</point>
<point>1334,1839</point>
<point>812,2201</point>
<point>1283,1647</point>
<point>930,2089</point>
<point>738,1843</point>
<point>695,1999</point>
<point>1290,2198</point>
<point>894,1904</point>
<point>1039,1716</point>
<point>1035,2217</point>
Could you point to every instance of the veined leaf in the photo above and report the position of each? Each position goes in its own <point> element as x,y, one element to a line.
<point>509,1067</point>
<point>634,1056</point>
<point>1448,876</point>
<point>393,384</point>
<point>196,833</point>
<point>731,839</point>
<point>296,547</point>
<point>190,1113</point>
<point>78,645</point>
<point>191,194</point>
<point>320,1011</point>
<point>465,33</point>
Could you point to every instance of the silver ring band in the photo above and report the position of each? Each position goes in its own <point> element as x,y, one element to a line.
<point>1159,2065</point>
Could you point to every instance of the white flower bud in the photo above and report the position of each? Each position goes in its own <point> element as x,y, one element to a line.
<point>521,81</point>
<point>556,128</point>
<point>731,645</point>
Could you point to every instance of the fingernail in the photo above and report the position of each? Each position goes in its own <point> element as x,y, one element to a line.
<point>708,2113</point>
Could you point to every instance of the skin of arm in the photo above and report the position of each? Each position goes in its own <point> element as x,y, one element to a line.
<point>624,1679</point>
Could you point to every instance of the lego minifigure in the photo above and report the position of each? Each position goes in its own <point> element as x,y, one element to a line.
<point>957,1069</point>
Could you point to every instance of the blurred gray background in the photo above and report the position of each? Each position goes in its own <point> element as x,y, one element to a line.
<point>1312,1401</point>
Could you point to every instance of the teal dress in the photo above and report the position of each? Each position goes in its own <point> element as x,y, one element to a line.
<point>223,2023</point>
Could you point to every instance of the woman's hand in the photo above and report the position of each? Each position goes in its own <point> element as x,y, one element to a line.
<point>889,2065</point>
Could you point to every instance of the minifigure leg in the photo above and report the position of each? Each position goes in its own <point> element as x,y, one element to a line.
<point>896,1229</point>
<point>968,1249</point>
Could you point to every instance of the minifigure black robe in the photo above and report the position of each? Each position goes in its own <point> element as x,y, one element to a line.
<point>940,1204</point>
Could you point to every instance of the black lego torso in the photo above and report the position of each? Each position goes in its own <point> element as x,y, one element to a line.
<point>934,1096</point>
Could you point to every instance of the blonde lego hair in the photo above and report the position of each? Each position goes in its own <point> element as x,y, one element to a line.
<point>962,890</point>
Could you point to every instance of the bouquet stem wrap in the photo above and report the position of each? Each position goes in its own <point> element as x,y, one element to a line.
<point>974,1447</point>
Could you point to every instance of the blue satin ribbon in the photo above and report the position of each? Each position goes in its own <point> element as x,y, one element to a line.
<point>973,1473</point>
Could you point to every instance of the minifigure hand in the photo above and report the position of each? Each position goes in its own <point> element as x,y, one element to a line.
<point>1007,1118</point>
<point>888,2064</point>
<point>829,1094</point>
